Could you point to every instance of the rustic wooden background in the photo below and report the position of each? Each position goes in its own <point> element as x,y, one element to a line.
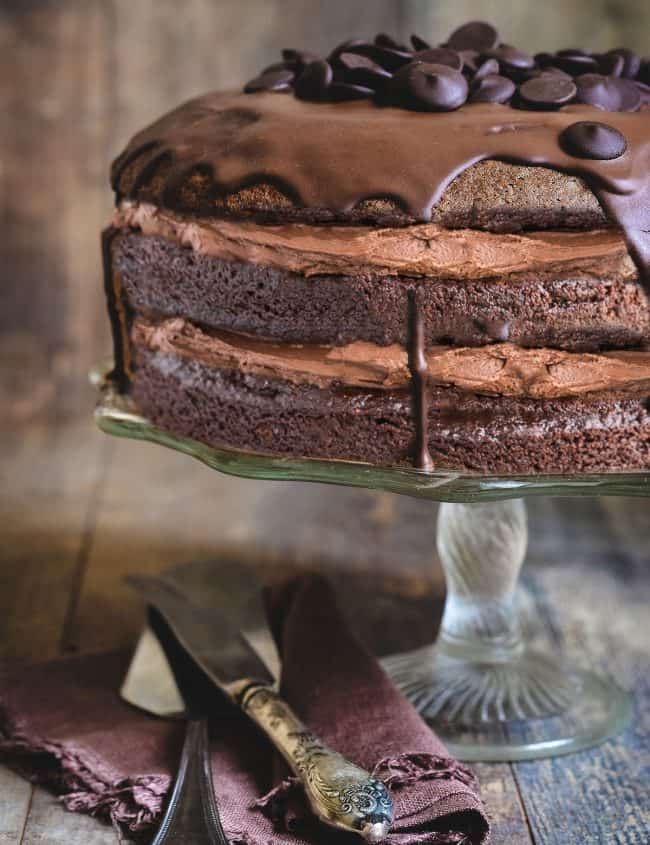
<point>77,77</point>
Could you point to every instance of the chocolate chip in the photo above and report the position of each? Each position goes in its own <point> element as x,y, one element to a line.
<point>611,64</point>
<point>421,86</point>
<point>489,67</point>
<point>314,81</point>
<point>383,40</point>
<point>419,43</point>
<point>476,35</point>
<point>343,48</point>
<point>556,71</point>
<point>587,139</point>
<point>440,56</point>
<point>543,59</point>
<point>644,72</point>
<point>270,80</point>
<point>547,91</point>
<point>550,70</point>
<point>297,60</point>
<point>387,58</point>
<point>574,51</point>
<point>510,59</point>
<point>631,62</point>
<point>575,63</point>
<point>371,76</point>
<point>471,59</point>
<point>644,90</point>
<point>607,92</point>
<point>630,95</point>
<point>351,61</point>
<point>594,89</point>
<point>492,89</point>
<point>340,92</point>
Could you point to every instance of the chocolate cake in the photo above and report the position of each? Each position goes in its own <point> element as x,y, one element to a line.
<point>426,255</point>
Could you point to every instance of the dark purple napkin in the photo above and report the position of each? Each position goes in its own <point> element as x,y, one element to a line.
<point>63,724</point>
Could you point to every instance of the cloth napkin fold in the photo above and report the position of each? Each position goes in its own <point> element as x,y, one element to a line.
<point>63,724</point>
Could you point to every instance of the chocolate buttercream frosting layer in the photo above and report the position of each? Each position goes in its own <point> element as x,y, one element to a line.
<point>557,305</point>
<point>335,156</point>
<point>421,250</point>
<point>499,370</point>
<point>595,432</point>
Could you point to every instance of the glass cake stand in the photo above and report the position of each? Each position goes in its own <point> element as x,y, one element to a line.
<point>490,694</point>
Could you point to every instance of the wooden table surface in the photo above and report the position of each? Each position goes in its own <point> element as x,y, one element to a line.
<point>79,510</point>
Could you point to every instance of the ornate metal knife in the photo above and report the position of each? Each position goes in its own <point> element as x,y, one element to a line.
<point>339,793</point>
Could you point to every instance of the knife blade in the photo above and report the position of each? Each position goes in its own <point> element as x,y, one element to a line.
<point>340,793</point>
<point>234,591</point>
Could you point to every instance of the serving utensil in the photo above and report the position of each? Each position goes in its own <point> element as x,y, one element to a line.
<point>191,816</point>
<point>340,793</point>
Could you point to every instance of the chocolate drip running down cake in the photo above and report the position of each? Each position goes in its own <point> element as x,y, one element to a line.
<point>427,256</point>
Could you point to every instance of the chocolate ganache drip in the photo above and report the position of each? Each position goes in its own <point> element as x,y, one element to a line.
<point>419,371</point>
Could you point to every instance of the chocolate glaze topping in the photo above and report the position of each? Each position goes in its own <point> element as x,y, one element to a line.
<point>334,156</point>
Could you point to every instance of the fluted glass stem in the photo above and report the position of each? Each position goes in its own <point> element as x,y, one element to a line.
<point>480,669</point>
<point>482,549</point>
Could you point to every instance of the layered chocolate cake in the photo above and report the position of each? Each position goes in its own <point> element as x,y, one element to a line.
<point>436,256</point>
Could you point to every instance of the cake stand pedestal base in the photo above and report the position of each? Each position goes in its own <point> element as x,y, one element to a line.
<point>488,694</point>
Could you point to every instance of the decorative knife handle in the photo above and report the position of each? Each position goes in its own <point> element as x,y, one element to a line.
<point>340,793</point>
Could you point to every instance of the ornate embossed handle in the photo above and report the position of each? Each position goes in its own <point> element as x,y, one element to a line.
<point>340,793</point>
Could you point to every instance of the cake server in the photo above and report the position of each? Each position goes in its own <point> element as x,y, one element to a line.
<point>191,815</point>
<point>340,793</point>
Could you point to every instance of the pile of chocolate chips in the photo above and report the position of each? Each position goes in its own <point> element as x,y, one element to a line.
<point>473,66</point>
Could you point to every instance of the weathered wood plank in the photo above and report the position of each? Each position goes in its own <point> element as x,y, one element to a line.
<point>57,108</point>
<point>49,824</point>
<point>15,797</point>
<point>601,610</point>
<point>500,793</point>
<point>48,480</point>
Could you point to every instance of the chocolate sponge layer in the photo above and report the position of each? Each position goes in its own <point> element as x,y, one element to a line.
<point>597,432</point>
<point>579,314</point>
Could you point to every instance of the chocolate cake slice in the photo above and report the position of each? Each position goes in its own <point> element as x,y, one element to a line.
<point>437,256</point>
